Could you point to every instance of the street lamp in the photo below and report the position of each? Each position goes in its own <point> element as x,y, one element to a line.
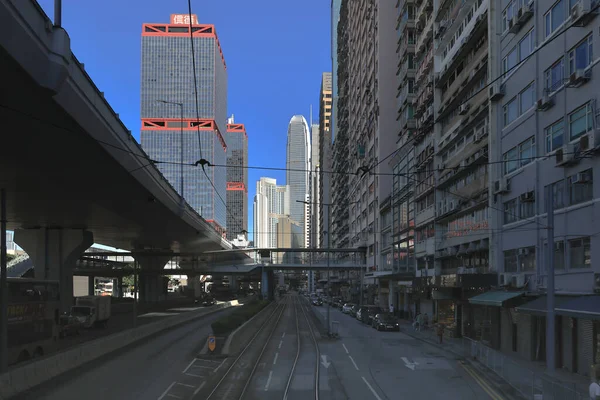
<point>182,201</point>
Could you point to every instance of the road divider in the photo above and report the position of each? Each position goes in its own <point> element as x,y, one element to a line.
<point>27,376</point>
<point>245,332</point>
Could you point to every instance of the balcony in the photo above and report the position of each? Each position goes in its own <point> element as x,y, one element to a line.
<point>425,64</point>
<point>464,237</point>
<point>424,10</point>
<point>405,23</point>
<point>405,98</point>
<point>405,46</point>
<point>425,247</point>
<point>425,29</point>
<point>475,105</point>
<point>474,188</point>
<point>476,66</point>
<point>406,70</point>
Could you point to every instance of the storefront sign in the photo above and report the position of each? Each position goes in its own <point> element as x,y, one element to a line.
<point>462,228</point>
<point>183,19</point>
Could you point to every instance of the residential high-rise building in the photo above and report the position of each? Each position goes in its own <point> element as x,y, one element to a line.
<point>544,141</point>
<point>367,129</point>
<point>324,161</point>
<point>315,180</point>
<point>270,202</point>
<point>237,179</point>
<point>298,169</point>
<point>335,18</point>
<point>168,102</point>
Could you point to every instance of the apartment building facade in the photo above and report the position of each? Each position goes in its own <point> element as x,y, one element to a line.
<point>270,202</point>
<point>237,179</point>
<point>544,155</point>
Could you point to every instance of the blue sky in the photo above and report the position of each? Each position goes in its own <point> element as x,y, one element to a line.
<point>275,51</point>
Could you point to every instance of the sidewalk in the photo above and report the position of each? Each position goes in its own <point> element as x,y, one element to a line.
<point>513,377</point>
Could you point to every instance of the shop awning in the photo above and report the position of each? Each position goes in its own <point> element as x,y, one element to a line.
<point>495,299</point>
<point>587,307</point>
<point>539,305</point>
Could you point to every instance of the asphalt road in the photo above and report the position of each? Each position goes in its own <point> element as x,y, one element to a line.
<point>392,365</point>
<point>143,371</point>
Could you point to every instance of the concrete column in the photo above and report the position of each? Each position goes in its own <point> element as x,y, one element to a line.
<point>120,286</point>
<point>392,295</point>
<point>264,284</point>
<point>151,282</point>
<point>406,304</point>
<point>91,285</point>
<point>194,282</point>
<point>54,252</point>
<point>233,285</point>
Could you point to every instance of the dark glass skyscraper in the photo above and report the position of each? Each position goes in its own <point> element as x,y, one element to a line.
<point>167,98</point>
<point>237,179</point>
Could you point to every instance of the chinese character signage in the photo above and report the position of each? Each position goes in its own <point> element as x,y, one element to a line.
<point>183,19</point>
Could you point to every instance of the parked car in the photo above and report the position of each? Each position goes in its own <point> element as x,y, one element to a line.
<point>362,314</point>
<point>354,310</point>
<point>347,308</point>
<point>208,300</point>
<point>385,322</point>
<point>317,302</point>
<point>372,311</point>
<point>69,326</point>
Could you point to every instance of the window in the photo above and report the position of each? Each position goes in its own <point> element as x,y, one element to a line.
<point>411,86</point>
<point>510,160</point>
<point>519,155</point>
<point>558,193</point>
<point>581,187</point>
<point>507,15</point>
<point>510,260</point>
<point>510,211</point>
<point>555,75</point>
<point>579,253</point>
<point>580,57</point>
<point>510,111</point>
<point>526,45</point>
<point>580,121</point>
<point>555,17</point>
<point>510,60</point>
<point>527,258</point>
<point>554,135</point>
<point>527,206</point>
<point>526,98</point>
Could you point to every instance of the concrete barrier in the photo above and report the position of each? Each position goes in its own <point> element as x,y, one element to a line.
<point>246,331</point>
<point>22,378</point>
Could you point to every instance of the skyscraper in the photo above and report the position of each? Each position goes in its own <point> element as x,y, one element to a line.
<point>324,155</point>
<point>270,202</point>
<point>298,167</point>
<point>237,179</point>
<point>174,129</point>
<point>314,208</point>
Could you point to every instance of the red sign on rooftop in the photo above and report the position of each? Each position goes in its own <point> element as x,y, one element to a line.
<point>183,19</point>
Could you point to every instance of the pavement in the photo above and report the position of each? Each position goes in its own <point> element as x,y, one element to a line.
<point>143,371</point>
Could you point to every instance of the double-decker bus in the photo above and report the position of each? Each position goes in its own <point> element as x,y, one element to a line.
<point>33,318</point>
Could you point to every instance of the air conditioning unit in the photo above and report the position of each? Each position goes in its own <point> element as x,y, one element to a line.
<point>525,13</point>
<point>479,135</point>
<point>578,78</point>
<point>590,141</point>
<point>565,155</point>
<point>581,177</point>
<point>545,102</point>
<point>527,197</point>
<point>464,108</point>
<point>496,91</point>
<point>581,12</point>
<point>513,25</point>
<point>502,185</point>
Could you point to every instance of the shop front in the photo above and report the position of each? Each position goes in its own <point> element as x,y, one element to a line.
<point>448,309</point>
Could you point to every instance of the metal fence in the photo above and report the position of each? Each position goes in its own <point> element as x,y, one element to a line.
<point>530,384</point>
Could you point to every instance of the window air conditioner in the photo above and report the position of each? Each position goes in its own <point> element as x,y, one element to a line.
<point>565,155</point>
<point>590,141</point>
<point>502,185</point>
<point>578,78</point>
<point>545,103</point>
<point>496,91</point>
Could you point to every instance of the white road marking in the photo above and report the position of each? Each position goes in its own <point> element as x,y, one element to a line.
<point>275,359</point>
<point>199,388</point>
<point>172,395</point>
<point>194,375</point>
<point>183,384</point>
<point>352,359</point>
<point>345,348</point>
<point>202,366</point>
<point>162,396</point>
<point>226,395</point>
<point>189,365</point>
<point>269,380</point>
<point>283,335</point>
<point>372,390</point>
<point>280,343</point>
<point>409,364</point>
<point>220,365</point>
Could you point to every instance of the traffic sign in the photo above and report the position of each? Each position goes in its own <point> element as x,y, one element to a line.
<point>212,343</point>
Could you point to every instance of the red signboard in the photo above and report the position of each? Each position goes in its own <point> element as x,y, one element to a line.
<point>183,19</point>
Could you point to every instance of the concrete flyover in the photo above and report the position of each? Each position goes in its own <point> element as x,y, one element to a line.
<point>73,173</point>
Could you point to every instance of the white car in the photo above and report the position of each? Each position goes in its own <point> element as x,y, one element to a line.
<point>347,307</point>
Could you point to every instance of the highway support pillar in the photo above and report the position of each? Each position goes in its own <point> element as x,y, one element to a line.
<point>91,285</point>
<point>264,284</point>
<point>233,284</point>
<point>194,283</point>
<point>151,283</point>
<point>54,252</point>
